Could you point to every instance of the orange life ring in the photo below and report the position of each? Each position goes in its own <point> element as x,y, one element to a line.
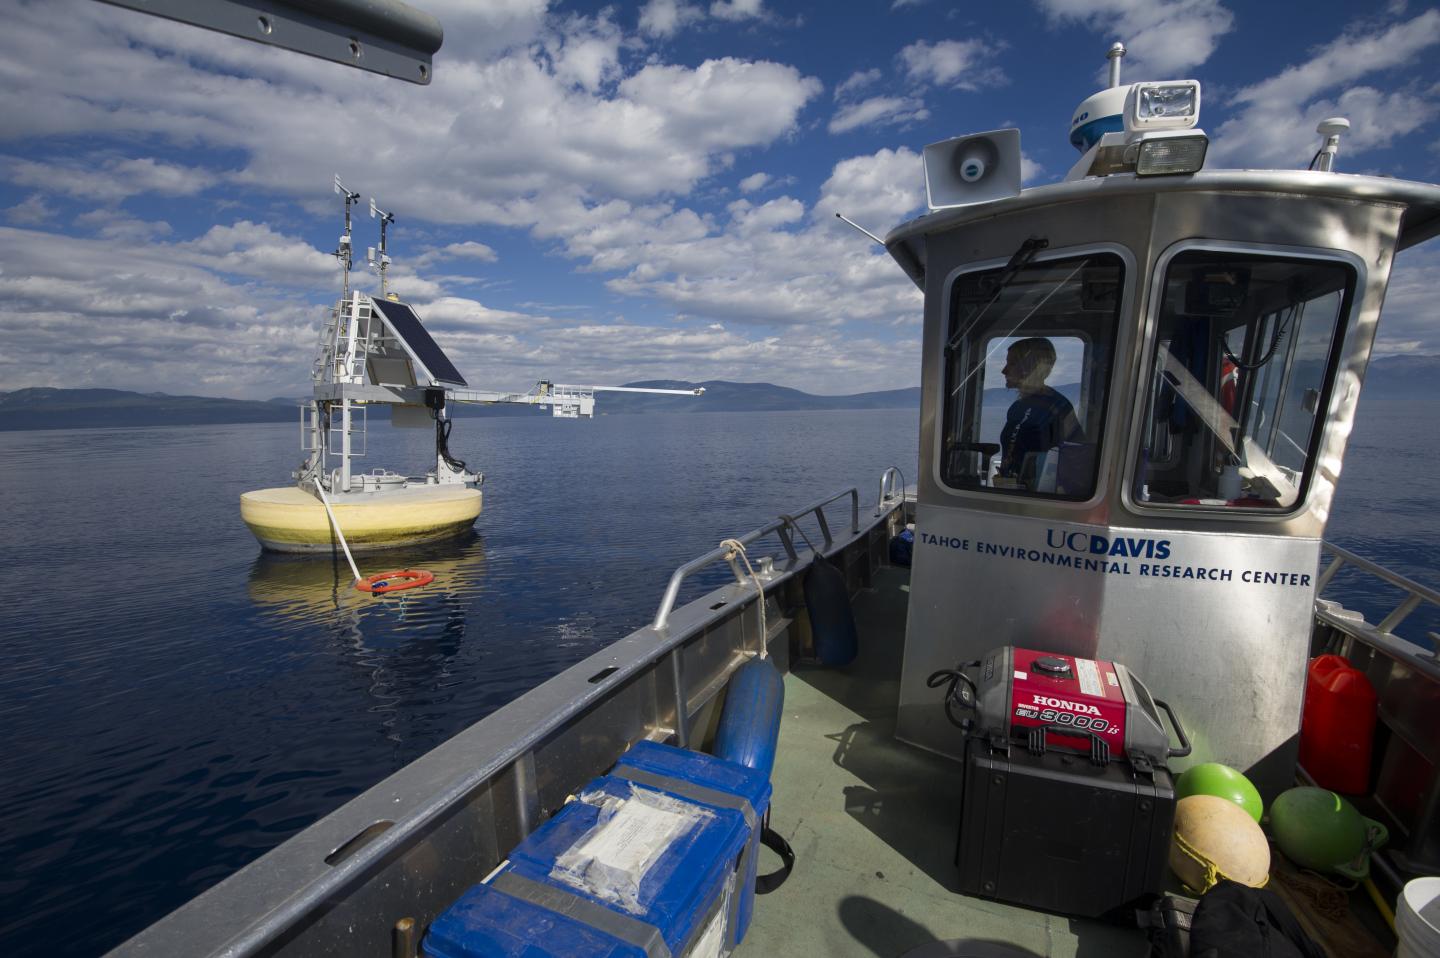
<point>394,581</point>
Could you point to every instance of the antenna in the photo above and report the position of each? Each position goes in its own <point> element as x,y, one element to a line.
<point>342,252</point>
<point>380,263</point>
<point>1331,129</point>
<point>862,229</point>
<point>1116,54</point>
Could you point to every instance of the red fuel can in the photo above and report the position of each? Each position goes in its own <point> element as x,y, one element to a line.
<point>1338,725</point>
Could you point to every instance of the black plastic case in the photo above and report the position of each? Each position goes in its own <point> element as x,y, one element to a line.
<point>1059,832</point>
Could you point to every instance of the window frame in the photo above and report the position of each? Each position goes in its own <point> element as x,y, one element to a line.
<point>1110,415</point>
<point>1140,415</point>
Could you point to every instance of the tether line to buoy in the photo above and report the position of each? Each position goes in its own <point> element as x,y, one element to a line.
<point>380,581</point>
<point>335,524</point>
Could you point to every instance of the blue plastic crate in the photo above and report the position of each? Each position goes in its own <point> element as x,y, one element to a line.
<point>727,778</point>
<point>634,864</point>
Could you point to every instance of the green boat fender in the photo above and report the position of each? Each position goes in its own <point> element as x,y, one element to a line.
<point>1318,829</point>
<point>1222,781</point>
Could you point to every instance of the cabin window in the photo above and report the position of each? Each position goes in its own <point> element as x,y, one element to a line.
<point>1028,357</point>
<point>1245,354</point>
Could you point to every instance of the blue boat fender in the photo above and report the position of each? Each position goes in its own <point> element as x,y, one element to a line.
<point>831,619</point>
<point>748,735</point>
<point>902,548</point>
<point>750,722</point>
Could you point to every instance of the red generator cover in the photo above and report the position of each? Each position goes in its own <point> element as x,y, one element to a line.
<point>1051,689</point>
<point>1112,713</point>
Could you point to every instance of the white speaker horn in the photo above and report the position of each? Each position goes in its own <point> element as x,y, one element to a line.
<point>972,169</point>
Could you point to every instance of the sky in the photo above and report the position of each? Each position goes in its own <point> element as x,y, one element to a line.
<point>598,194</point>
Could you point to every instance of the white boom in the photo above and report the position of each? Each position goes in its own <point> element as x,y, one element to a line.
<point>566,401</point>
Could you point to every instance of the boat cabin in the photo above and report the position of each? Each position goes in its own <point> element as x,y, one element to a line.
<point>1137,389</point>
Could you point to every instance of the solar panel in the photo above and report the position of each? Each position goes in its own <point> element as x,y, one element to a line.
<point>405,324</point>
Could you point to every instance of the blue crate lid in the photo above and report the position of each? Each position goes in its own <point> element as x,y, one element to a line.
<point>490,923</point>
<point>682,884</point>
<point>700,769</point>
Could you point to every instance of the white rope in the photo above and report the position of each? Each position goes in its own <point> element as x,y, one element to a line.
<point>336,523</point>
<point>737,549</point>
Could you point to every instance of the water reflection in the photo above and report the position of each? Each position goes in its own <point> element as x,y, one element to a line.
<point>398,643</point>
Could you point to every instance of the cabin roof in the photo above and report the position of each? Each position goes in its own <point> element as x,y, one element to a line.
<point>1420,222</point>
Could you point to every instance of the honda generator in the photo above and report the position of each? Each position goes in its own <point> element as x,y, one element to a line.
<point>1068,803</point>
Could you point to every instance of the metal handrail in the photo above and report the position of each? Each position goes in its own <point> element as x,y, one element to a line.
<point>672,590</point>
<point>780,525</point>
<point>1416,593</point>
<point>886,478</point>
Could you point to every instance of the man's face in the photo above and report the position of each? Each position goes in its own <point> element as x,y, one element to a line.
<point>1013,372</point>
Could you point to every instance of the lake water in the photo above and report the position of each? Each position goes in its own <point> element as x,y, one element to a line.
<point>176,702</point>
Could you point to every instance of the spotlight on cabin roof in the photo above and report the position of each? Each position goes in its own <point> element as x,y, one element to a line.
<point>1148,128</point>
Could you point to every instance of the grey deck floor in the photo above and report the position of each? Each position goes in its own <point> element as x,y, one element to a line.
<point>873,823</point>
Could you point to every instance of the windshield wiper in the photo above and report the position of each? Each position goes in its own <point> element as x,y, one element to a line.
<point>1018,261</point>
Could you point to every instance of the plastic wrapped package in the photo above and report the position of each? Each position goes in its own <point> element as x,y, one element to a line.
<point>644,862</point>
<point>630,833</point>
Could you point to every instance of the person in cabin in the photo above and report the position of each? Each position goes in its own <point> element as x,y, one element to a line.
<point>1040,419</point>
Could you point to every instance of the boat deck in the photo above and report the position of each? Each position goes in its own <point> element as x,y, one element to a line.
<point>873,823</point>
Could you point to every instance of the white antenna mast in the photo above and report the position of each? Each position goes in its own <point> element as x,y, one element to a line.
<point>342,253</point>
<point>381,262</point>
<point>1116,54</point>
<point>1331,129</point>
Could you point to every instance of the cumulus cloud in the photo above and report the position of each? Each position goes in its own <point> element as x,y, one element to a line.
<point>1164,38</point>
<point>564,128</point>
<point>30,211</point>
<point>256,249</point>
<point>89,311</point>
<point>754,182</point>
<point>467,250</point>
<point>1275,123</point>
<point>558,111</point>
<point>879,189</point>
<point>857,81</point>
<point>106,180</point>
<point>736,9</point>
<point>878,111</point>
<point>664,18</point>
<point>963,64</point>
<point>112,224</point>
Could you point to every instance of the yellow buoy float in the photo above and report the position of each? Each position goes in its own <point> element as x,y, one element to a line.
<point>1214,839</point>
<point>290,519</point>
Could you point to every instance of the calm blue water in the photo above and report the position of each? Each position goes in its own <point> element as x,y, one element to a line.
<point>175,703</point>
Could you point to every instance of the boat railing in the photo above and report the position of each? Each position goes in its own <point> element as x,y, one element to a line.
<point>780,526</point>
<point>1348,626</point>
<point>892,486</point>
<point>1415,593</point>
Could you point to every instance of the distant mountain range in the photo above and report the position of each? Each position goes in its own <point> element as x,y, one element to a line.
<point>47,408</point>
<point>1391,377</point>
